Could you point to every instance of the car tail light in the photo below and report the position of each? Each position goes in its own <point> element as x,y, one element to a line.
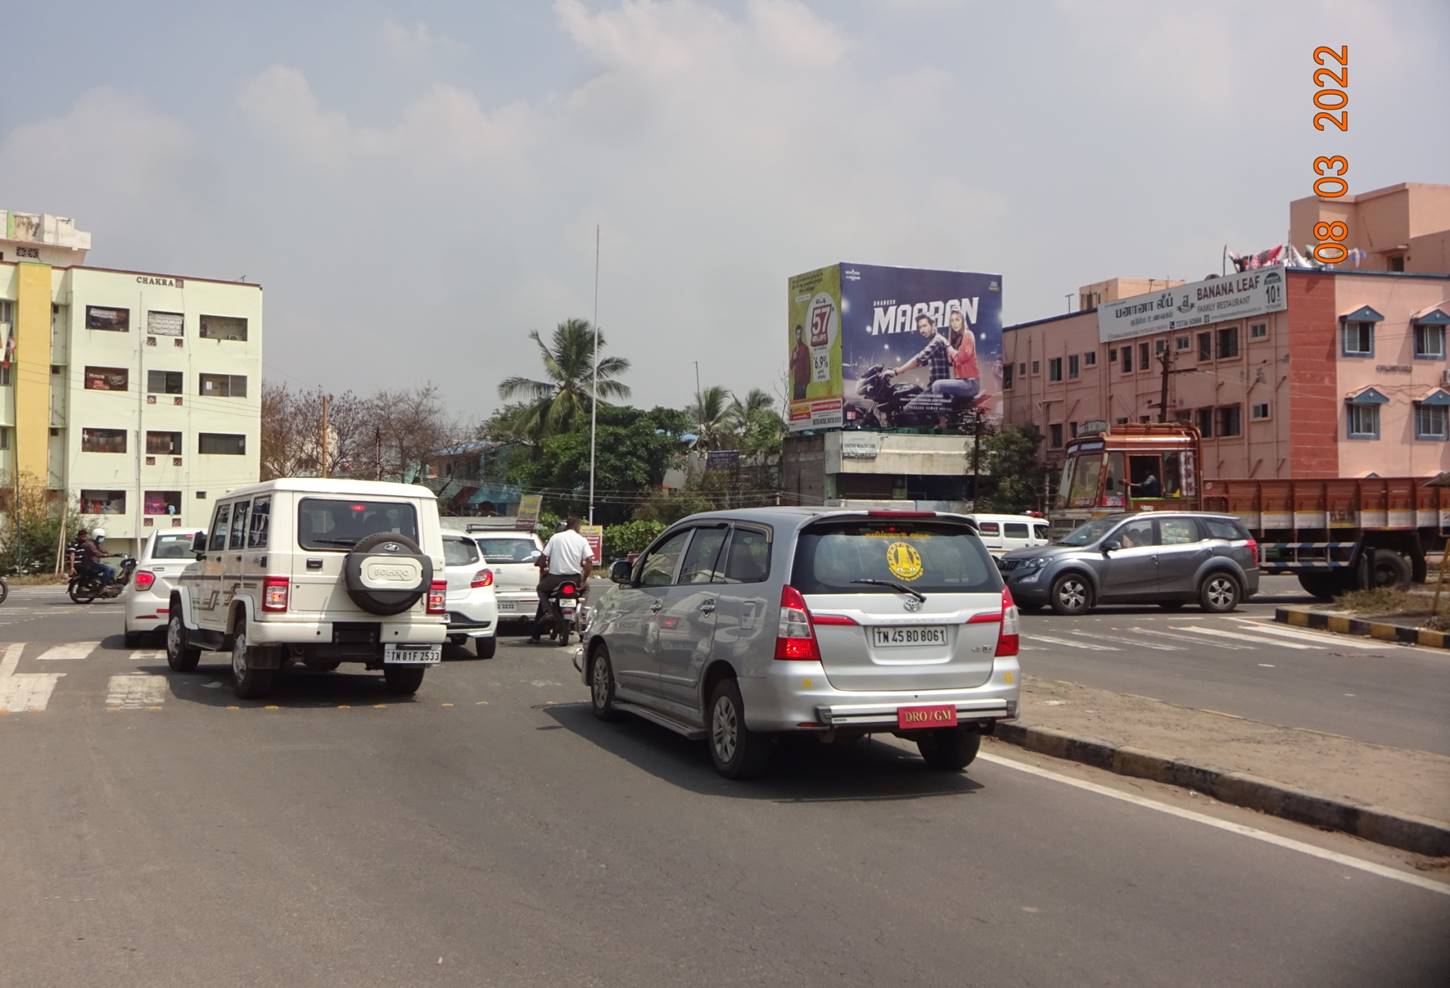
<point>274,593</point>
<point>144,579</point>
<point>795,637</point>
<point>1253,546</point>
<point>483,578</point>
<point>438,597</point>
<point>1008,642</point>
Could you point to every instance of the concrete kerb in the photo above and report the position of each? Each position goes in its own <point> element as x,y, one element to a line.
<point>1409,833</point>
<point>1343,624</point>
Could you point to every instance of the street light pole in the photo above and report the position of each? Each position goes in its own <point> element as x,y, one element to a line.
<point>594,388</point>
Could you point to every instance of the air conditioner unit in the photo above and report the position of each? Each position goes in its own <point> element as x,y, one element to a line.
<point>1445,377</point>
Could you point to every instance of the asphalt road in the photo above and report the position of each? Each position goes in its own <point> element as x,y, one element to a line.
<point>492,832</point>
<point>1244,664</point>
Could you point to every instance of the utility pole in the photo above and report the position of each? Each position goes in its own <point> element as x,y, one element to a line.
<point>378,449</point>
<point>1165,361</point>
<point>322,465</point>
<point>594,388</point>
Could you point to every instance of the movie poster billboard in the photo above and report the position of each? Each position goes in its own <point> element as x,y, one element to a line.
<point>920,349</point>
<point>814,349</point>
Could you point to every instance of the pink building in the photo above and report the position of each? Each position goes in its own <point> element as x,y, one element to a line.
<point>1288,373</point>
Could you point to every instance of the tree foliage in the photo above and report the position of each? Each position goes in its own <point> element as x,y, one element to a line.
<point>557,402</point>
<point>30,529</point>
<point>1011,457</point>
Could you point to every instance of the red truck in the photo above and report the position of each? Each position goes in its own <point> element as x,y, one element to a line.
<point>1335,534</point>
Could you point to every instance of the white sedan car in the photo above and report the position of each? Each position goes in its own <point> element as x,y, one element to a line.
<point>145,599</point>
<point>511,555</point>
<point>472,607</point>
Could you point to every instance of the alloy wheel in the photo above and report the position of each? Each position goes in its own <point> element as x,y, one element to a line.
<point>239,656</point>
<point>600,683</point>
<point>724,729</point>
<point>1221,592</point>
<point>1073,594</point>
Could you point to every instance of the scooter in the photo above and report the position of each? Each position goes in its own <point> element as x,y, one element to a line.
<point>90,585</point>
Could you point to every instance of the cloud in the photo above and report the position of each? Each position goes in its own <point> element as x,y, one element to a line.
<point>416,41</point>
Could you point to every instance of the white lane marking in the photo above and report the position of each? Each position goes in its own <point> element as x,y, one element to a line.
<point>1130,642</point>
<point>1394,874</point>
<point>1194,640</point>
<point>26,692</point>
<point>1267,665</point>
<point>148,655</point>
<point>1072,644</point>
<point>11,659</point>
<point>1220,633</point>
<point>136,691</point>
<point>68,652</point>
<point>1326,640</point>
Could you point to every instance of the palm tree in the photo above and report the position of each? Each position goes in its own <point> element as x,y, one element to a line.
<point>756,401</point>
<point>554,404</point>
<point>714,421</point>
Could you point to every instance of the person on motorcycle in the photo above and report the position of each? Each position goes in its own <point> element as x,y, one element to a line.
<point>92,554</point>
<point>567,556</point>
<point>966,379</point>
<point>938,363</point>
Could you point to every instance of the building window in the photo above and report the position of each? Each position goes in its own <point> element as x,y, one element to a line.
<point>1037,367</point>
<point>1145,419</point>
<point>4,375</point>
<point>1074,366</point>
<point>1160,345</point>
<point>221,443</point>
<point>1259,411</point>
<point>1205,346</point>
<point>1181,343</point>
<point>1090,359</point>
<point>1072,429</point>
<point>1205,422</point>
<point>4,437</point>
<point>1429,342</point>
<point>1364,421</point>
<point>1228,342</point>
<point>1229,420</point>
<point>1022,370</point>
<point>114,320</point>
<point>1183,415</point>
<point>1054,369</point>
<point>4,310</point>
<point>222,385</point>
<point>103,440</point>
<point>1055,432</point>
<point>107,379</point>
<point>162,503</point>
<point>1142,356</point>
<point>1007,370</point>
<point>163,382</point>
<point>1396,262</point>
<point>103,502</point>
<point>223,328</point>
<point>1113,355</point>
<point>164,323</point>
<point>1127,360</point>
<point>1358,339</point>
<point>1121,420</point>
<point>163,443</point>
<point>1432,421</point>
<point>1258,331</point>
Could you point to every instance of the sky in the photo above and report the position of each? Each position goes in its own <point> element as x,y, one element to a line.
<point>418,185</point>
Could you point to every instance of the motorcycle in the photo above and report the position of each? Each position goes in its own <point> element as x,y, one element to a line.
<point>891,400</point>
<point>90,585</point>
<point>4,590</point>
<point>565,608</point>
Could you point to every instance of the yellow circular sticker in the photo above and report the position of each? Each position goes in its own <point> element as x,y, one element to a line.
<point>903,560</point>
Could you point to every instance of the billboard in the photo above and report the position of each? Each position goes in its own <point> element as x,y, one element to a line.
<point>814,334</point>
<point>1199,303</point>
<point>875,347</point>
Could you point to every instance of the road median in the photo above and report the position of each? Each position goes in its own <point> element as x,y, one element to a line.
<point>1392,796</point>
<point>1346,623</point>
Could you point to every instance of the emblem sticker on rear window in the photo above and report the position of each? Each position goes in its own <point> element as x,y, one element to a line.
<point>903,560</point>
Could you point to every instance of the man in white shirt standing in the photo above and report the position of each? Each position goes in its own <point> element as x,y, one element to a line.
<point>567,556</point>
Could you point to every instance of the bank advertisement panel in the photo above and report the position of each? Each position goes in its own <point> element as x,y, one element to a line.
<point>1199,303</point>
<point>920,349</point>
<point>814,333</point>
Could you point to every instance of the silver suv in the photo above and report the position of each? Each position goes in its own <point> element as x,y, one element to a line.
<point>737,626</point>
<point>1167,558</point>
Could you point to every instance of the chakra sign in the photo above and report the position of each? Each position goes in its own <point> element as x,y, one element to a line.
<point>903,560</point>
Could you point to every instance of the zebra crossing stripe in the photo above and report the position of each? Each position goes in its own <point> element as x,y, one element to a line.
<point>68,652</point>
<point>1087,646</point>
<point>1229,646</point>
<point>24,693</point>
<point>1131,643</point>
<point>1324,640</point>
<point>135,691</point>
<point>1220,633</point>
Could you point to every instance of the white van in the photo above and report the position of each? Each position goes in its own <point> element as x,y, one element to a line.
<point>319,572</point>
<point>1003,533</point>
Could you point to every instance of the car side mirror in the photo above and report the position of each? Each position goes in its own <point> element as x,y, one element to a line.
<point>1110,546</point>
<point>534,556</point>
<point>619,571</point>
<point>198,544</point>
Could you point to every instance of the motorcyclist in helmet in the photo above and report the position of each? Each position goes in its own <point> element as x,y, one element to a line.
<point>93,554</point>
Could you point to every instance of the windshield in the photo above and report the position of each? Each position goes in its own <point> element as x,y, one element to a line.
<point>926,556</point>
<point>459,552</point>
<point>172,546</point>
<point>1089,532</point>
<point>1083,486</point>
<point>507,550</point>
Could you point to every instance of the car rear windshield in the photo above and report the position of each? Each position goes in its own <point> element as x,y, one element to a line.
<point>507,550</point>
<point>928,556</point>
<point>459,552</point>
<point>171,546</point>
<point>325,523</point>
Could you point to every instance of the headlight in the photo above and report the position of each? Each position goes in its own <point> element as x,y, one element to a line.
<point>1037,563</point>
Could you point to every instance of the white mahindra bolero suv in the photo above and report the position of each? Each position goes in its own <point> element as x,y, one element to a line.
<point>317,572</point>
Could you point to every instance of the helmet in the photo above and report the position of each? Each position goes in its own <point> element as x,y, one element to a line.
<point>98,534</point>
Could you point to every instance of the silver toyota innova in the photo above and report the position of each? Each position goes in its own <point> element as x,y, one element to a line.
<point>734,626</point>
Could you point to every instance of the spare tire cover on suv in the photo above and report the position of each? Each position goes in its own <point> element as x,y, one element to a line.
<point>387,573</point>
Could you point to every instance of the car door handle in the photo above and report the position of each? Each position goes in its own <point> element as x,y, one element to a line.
<point>708,607</point>
<point>656,607</point>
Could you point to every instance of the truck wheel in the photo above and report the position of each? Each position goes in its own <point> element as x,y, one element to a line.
<point>1071,594</point>
<point>402,680</point>
<point>738,752</point>
<point>1219,593</point>
<point>180,655</point>
<point>248,682</point>
<point>1320,586</point>
<point>486,647</point>
<point>1390,570</point>
<point>949,749</point>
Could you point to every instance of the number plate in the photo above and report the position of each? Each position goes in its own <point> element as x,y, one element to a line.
<point>901,637</point>
<point>921,718</point>
<point>412,655</point>
<point>505,605</point>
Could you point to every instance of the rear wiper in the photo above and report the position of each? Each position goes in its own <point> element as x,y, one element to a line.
<point>898,587</point>
<point>335,541</point>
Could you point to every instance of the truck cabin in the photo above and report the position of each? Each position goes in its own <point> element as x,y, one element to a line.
<point>1131,468</point>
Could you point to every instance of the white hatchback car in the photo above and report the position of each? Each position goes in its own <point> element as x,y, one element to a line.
<point>511,555</point>
<point>146,599</point>
<point>472,607</point>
